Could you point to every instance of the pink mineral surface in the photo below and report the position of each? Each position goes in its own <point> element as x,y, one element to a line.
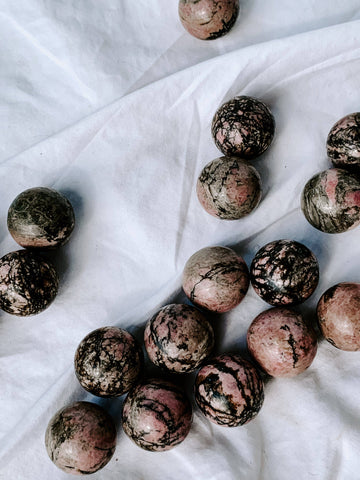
<point>338,313</point>
<point>216,279</point>
<point>281,342</point>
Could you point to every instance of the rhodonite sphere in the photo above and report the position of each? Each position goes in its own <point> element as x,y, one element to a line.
<point>28,283</point>
<point>216,279</point>
<point>284,272</point>
<point>81,438</point>
<point>331,201</point>
<point>108,362</point>
<point>343,142</point>
<point>157,415</point>
<point>178,337</point>
<point>229,390</point>
<point>208,19</point>
<point>243,127</point>
<point>41,218</point>
<point>338,313</point>
<point>281,342</point>
<point>229,188</point>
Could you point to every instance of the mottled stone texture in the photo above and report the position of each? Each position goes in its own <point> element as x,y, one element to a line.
<point>216,279</point>
<point>81,438</point>
<point>284,272</point>
<point>108,362</point>
<point>338,313</point>
<point>243,127</point>
<point>343,142</point>
<point>41,218</point>
<point>157,415</point>
<point>229,390</point>
<point>331,201</point>
<point>178,337</point>
<point>28,284</point>
<point>208,19</point>
<point>229,188</point>
<point>281,342</point>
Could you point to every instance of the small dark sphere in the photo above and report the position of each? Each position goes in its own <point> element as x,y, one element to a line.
<point>41,218</point>
<point>330,201</point>
<point>243,127</point>
<point>343,142</point>
<point>81,438</point>
<point>28,284</point>
<point>229,390</point>
<point>284,272</point>
<point>108,362</point>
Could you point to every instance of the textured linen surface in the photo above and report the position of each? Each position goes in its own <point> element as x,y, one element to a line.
<point>111,103</point>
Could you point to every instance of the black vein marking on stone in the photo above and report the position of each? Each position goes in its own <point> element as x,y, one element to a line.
<point>226,25</point>
<point>298,268</point>
<point>94,354</point>
<point>252,119</point>
<point>230,415</point>
<point>29,277</point>
<point>292,343</point>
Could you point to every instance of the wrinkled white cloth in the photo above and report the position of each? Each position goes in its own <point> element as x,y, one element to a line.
<point>111,103</point>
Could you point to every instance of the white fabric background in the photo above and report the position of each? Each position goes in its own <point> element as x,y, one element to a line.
<point>111,103</point>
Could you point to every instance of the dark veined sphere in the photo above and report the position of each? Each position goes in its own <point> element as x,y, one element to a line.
<point>41,218</point>
<point>281,342</point>
<point>338,314</point>
<point>81,438</point>
<point>330,201</point>
<point>343,142</point>
<point>208,19</point>
<point>28,284</point>
<point>179,338</point>
<point>108,362</point>
<point>229,390</point>
<point>284,272</point>
<point>229,188</point>
<point>243,127</point>
<point>216,279</point>
<point>157,415</point>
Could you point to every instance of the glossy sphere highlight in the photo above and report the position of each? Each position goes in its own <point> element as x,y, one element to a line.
<point>28,284</point>
<point>41,218</point>
<point>215,278</point>
<point>81,438</point>
<point>178,337</point>
<point>229,390</point>
<point>157,415</point>
<point>284,272</point>
<point>331,201</point>
<point>338,313</point>
<point>343,142</point>
<point>208,19</point>
<point>281,342</point>
<point>243,127</point>
<point>108,362</point>
<point>229,188</point>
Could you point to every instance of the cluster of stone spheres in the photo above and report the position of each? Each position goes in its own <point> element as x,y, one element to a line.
<point>179,338</point>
